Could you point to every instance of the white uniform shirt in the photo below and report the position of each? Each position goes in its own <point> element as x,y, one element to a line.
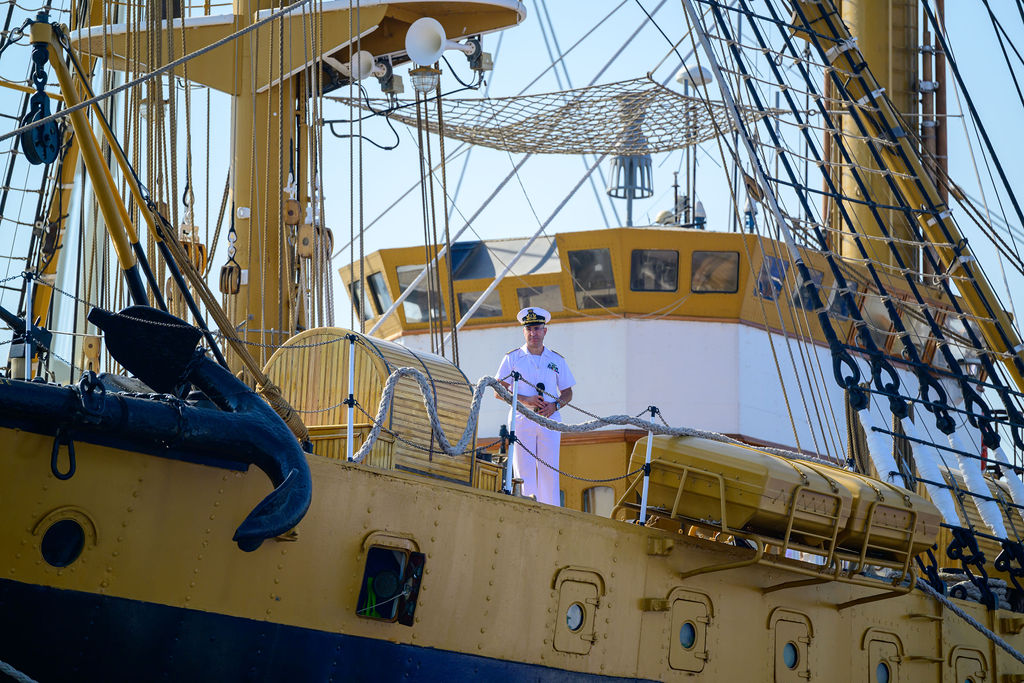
<point>549,369</point>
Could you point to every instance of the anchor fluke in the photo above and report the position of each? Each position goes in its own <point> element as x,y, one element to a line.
<point>275,514</point>
<point>159,349</point>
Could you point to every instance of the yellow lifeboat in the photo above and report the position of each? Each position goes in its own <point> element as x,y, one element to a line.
<point>741,490</point>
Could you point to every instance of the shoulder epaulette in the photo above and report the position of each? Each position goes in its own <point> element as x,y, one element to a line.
<point>556,353</point>
<point>511,351</point>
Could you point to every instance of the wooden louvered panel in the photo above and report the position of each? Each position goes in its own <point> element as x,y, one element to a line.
<point>487,475</point>
<point>314,378</point>
<point>442,466</point>
<point>331,441</point>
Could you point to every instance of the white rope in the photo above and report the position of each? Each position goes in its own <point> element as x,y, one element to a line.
<point>10,671</point>
<point>948,604</point>
<point>388,393</point>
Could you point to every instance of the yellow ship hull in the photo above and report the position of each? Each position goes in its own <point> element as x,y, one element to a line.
<point>159,589</point>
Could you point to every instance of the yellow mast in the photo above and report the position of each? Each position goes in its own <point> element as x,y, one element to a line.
<point>115,215</point>
<point>886,34</point>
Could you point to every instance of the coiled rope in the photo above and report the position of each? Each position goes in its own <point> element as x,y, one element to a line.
<point>388,393</point>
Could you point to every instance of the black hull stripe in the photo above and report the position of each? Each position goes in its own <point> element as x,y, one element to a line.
<point>60,635</point>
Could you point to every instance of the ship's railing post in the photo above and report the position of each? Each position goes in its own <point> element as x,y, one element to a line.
<point>511,432</point>
<point>647,467</point>
<point>28,324</point>
<point>351,400</point>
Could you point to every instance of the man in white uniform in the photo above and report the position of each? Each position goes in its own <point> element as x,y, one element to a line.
<point>543,369</point>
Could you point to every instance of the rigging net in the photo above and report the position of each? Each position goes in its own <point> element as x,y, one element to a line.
<point>638,116</point>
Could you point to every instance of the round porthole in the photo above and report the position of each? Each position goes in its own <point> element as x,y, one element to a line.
<point>63,543</point>
<point>687,635</point>
<point>790,655</point>
<point>574,617</point>
<point>882,673</point>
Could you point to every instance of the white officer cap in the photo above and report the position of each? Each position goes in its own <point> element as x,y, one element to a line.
<point>533,316</point>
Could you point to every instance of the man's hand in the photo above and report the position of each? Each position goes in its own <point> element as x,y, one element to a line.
<point>546,410</point>
<point>534,402</point>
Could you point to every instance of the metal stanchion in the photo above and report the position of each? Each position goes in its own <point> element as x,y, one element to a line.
<point>647,467</point>
<point>511,432</point>
<point>351,400</point>
<point>28,325</point>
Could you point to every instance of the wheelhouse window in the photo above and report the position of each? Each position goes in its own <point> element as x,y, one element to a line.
<point>715,272</point>
<point>545,296</point>
<point>592,278</point>
<point>379,292</point>
<point>840,307</point>
<point>356,290</point>
<point>771,281</point>
<point>876,316</point>
<point>490,308</point>
<point>422,304</point>
<point>654,270</point>
<point>802,298</point>
<point>599,500</point>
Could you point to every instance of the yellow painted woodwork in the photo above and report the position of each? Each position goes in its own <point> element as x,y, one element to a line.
<point>291,212</point>
<point>487,475</point>
<point>119,45</point>
<point>304,241</point>
<point>89,358</point>
<point>331,441</point>
<point>194,249</point>
<point>597,455</point>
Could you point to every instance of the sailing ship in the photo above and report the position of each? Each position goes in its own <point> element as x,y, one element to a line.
<point>841,504</point>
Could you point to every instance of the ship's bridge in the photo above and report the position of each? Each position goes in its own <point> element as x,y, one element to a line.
<point>701,324</point>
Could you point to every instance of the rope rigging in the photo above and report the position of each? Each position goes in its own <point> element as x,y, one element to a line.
<point>889,388</point>
<point>588,120</point>
<point>976,410</point>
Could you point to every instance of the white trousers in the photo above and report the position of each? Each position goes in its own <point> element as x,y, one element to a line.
<point>537,479</point>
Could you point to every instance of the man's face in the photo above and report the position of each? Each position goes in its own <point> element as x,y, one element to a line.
<point>534,334</point>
